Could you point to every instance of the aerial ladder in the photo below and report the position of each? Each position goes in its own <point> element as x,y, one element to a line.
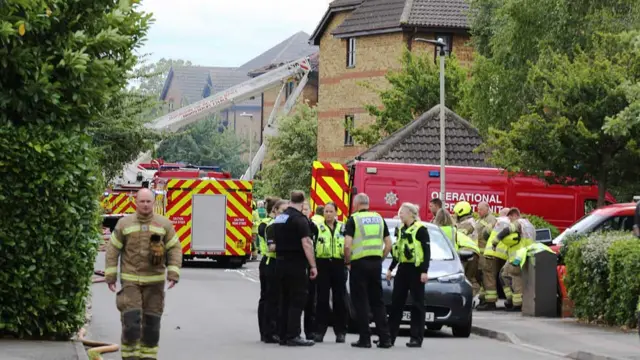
<point>135,173</point>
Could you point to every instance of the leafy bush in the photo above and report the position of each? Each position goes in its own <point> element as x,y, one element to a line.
<point>602,277</point>
<point>48,230</point>
<point>624,267</point>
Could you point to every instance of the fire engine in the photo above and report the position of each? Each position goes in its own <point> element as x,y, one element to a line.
<point>210,211</point>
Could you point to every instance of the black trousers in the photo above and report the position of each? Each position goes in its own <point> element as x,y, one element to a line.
<point>294,285</point>
<point>310,310</point>
<point>408,280</point>
<point>366,295</point>
<point>262,269</point>
<point>269,325</point>
<point>331,281</point>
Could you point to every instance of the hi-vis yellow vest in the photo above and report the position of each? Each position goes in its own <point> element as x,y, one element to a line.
<point>502,250</point>
<point>330,246</point>
<point>521,255</point>
<point>407,243</point>
<point>262,242</point>
<point>317,219</point>
<point>460,240</point>
<point>369,234</point>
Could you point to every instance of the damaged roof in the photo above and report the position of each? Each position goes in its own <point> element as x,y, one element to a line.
<point>419,142</point>
<point>382,16</point>
<point>292,48</point>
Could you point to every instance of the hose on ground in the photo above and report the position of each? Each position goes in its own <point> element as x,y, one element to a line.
<point>97,348</point>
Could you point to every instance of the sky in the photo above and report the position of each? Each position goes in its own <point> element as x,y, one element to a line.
<point>225,32</point>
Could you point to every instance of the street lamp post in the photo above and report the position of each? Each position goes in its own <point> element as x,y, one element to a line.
<point>440,44</point>
<point>250,116</point>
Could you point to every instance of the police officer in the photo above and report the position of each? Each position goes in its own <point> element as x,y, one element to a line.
<point>294,267</point>
<point>272,295</point>
<point>310,308</point>
<point>366,233</point>
<point>264,263</point>
<point>141,298</point>
<point>318,217</point>
<point>331,275</point>
<point>412,250</point>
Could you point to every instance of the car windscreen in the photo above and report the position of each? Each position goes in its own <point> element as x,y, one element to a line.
<point>584,225</point>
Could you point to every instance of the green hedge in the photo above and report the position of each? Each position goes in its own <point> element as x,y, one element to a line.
<point>602,277</point>
<point>48,230</point>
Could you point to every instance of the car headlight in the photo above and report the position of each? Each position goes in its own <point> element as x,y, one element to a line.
<point>453,278</point>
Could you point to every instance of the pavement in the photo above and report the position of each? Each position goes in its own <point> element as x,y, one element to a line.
<point>211,313</point>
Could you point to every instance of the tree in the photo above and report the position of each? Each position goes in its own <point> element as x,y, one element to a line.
<point>62,61</point>
<point>510,35</point>
<point>156,74</point>
<point>293,152</point>
<point>566,131</point>
<point>414,90</point>
<point>206,143</point>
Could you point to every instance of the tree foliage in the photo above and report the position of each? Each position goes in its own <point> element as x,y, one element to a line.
<point>206,143</point>
<point>413,91</point>
<point>564,133</point>
<point>62,61</point>
<point>291,153</point>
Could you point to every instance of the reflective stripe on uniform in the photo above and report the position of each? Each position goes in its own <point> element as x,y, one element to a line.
<point>157,230</point>
<point>516,299</point>
<point>148,352</point>
<point>507,292</point>
<point>173,268</point>
<point>131,229</point>
<point>173,242</point>
<point>491,296</point>
<point>142,278</point>
<point>111,270</point>
<point>115,241</point>
<point>129,351</point>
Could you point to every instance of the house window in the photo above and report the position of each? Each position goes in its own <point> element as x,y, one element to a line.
<point>448,39</point>
<point>288,89</point>
<point>171,105</point>
<point>351,52</point>
<point>348,125</point>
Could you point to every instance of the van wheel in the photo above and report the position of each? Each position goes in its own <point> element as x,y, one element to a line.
<point>462,331</point>
<point>435,327</point>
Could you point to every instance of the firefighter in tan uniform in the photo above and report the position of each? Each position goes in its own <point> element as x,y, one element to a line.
<point>147,247</point>
<point>464,219</point>
<point>484,226</point>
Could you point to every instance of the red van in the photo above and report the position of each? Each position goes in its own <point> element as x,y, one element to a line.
<point>390,184</point>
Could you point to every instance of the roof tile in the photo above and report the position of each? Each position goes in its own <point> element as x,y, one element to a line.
<point>372,15</point>
<point>438,13</point>
<point>419,142</point>
<point>293,48</point>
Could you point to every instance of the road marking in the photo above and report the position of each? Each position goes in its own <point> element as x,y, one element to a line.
<point>244,274</point>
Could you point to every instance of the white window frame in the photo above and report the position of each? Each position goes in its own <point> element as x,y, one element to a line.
<point>351,52</point>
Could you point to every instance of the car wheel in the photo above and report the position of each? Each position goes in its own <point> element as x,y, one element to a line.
<point>462,331</point>
<point>435,327</point>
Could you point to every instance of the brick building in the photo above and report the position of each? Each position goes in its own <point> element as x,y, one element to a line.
<point>361,40</point>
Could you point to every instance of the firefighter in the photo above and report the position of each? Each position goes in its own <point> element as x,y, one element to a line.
<point>464,219</point>
<point>295,265</point>
<point>495,254</point>
<point>310,308</point>
<point>484,226</point>
<point>331,275</point>
<point>461,242</point>
<point>141,297</point>
<point>318,217</point>
<point>520,233</point>
<point>272,294</point>
<point>264,263</point>
<point>412,250</point>
<point>254,230</point>
<point>366,233</point>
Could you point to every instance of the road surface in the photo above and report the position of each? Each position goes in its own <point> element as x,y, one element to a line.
<point>211,314</point>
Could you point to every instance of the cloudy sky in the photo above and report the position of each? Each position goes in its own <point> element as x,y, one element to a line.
<point>225,32</point>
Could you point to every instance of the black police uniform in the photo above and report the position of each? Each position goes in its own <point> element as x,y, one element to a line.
<point>310,307</point>
<point>407,280</point>
<point>270,325</point>
<point>365,285</point>
<point>331,282</point>
<point>267,275</point>
<point>290,228</point>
